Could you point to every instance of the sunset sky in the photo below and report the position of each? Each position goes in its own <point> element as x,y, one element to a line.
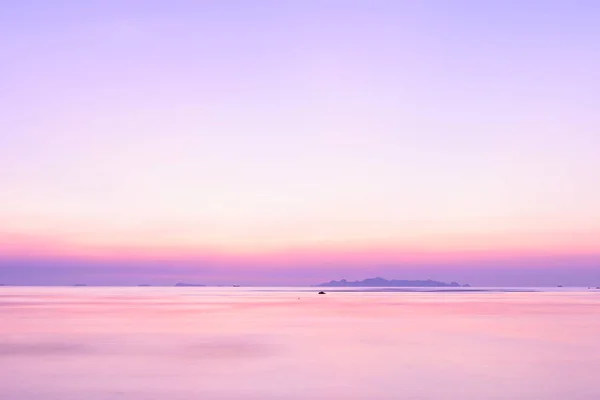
<point>292,142</point>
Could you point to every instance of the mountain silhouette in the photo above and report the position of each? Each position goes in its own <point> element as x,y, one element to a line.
<point>381,282</point>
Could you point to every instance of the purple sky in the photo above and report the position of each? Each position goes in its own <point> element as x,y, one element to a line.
<point>281,142</point>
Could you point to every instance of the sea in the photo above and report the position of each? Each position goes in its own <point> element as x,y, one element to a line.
<point>191,343</point>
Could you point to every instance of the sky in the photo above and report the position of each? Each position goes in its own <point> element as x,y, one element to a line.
<point>292,142</point>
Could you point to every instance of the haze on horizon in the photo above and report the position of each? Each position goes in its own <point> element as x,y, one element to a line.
<point>274,142</point>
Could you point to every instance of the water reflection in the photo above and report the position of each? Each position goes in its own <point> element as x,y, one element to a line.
<point>190,343</point>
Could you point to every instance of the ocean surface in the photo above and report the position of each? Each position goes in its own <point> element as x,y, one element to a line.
<point>99,343</point>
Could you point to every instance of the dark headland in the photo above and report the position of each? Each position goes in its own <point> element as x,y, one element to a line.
<point>381,282</point>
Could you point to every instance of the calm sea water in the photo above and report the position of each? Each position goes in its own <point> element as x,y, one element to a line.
<point>237,343</point>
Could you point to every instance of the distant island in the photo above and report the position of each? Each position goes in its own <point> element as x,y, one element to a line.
<point>381,282</point>
<point>183,284</point>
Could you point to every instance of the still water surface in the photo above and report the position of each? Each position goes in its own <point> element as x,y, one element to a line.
<point>85,343</point>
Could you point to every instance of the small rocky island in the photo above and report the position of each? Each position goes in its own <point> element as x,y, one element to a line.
<point>381,282</point>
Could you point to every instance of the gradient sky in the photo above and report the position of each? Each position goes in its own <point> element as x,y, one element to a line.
<point>290,142</point>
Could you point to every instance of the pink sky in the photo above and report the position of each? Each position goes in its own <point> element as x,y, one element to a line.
<point>320,135</point>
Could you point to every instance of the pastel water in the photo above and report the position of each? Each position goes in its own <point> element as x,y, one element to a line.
<point>290,343</point>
